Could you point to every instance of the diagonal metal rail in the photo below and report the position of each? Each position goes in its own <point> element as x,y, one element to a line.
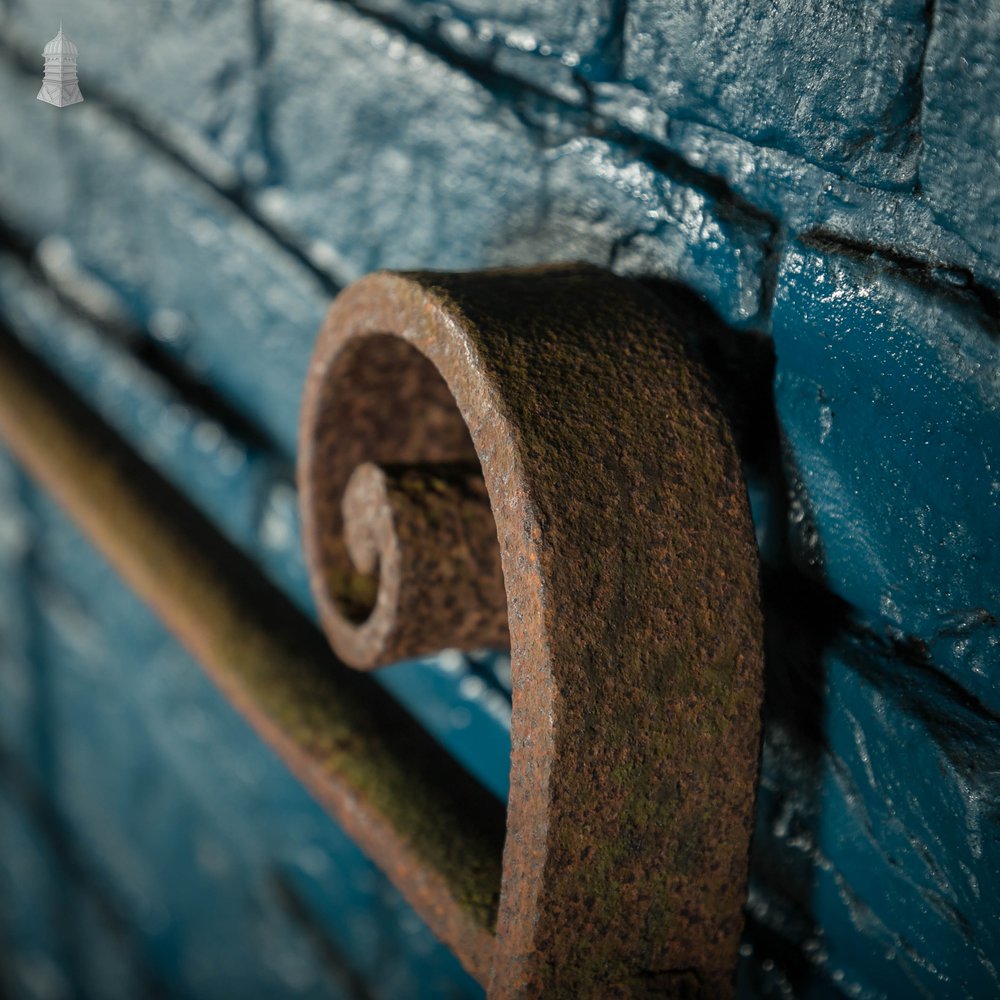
<point>430,827</point>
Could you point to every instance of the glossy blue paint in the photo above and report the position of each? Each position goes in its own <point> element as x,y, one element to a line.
<point>891,411</point>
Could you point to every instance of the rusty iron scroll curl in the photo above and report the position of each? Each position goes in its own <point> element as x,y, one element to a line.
<point>534,453</point>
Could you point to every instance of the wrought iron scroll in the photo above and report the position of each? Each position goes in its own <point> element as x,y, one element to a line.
<point>534,454</point>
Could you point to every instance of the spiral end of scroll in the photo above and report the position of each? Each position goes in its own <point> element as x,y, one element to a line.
<point>636,635</point>
<point>426,534</point>
<point>401,540</point>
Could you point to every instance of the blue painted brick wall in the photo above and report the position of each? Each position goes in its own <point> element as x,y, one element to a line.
<point>823,176</point>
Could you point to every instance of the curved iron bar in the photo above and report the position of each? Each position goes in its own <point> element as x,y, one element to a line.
<point>549,422</point>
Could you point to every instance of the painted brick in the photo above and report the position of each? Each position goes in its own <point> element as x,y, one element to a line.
<point>906,844</point>
<point>34,960</point>
<point>27,142</point>
<point>830,81</point>
<point>188,69</point>
<point>805,197</point>
<point>220,472</point>
<point>548,44</point>
<point>364,146</point>
<point>20,706</point>
<point>186,251</point>
<point>887,393</point>
<point>960,166</point>
<point>611,209</point>
<point>430,197</point>
<point>574,28</point>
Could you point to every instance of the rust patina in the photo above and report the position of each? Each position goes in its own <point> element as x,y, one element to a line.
<point>612,497</point>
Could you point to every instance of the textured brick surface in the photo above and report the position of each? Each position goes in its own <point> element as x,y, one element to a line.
<point>138,56</point>
<point>461,171</point>
<point>552,46</point>
<point>619,212</point>
<point>573,30</point>
<point>831,81</point>
<point>891,408</point>
<point>912,874</point>
<point>190,265</point>
<point>20,709</point>
<point>960,166</point>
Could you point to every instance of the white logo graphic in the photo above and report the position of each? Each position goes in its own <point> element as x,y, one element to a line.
<point>60,86</point>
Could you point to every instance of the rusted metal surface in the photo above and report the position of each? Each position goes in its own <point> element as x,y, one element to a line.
<point>632,598</point>
<point>413,526</point>
<point>435,832</point>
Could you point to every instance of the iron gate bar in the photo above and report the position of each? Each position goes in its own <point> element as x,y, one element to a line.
<point>623,529</point>
<point>425,822</point>
<point>539,432</point>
